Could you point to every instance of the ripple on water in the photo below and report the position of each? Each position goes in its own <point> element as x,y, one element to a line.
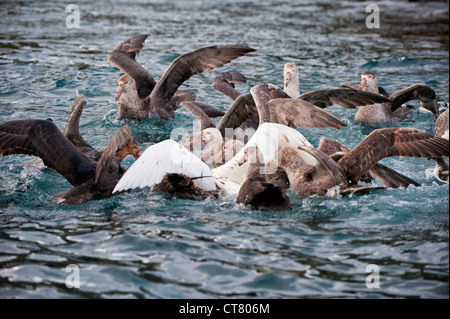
<point>149,245</point>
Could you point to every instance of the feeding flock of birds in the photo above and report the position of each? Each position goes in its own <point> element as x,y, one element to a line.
<point>254,153</point>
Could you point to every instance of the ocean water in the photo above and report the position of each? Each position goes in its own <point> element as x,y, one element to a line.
<point>150,245</point>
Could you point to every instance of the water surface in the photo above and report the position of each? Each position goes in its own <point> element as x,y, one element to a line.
<point>150,245</point>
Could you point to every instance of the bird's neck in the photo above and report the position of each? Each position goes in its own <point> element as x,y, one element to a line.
<point>213,151</point>
<point>372,88</point>
<point>291,87</point>
<point>132,106</point>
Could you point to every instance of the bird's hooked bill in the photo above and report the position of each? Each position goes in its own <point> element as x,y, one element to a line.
<point>119,92</point>
<point>137,154</point>
<point>363,83</point>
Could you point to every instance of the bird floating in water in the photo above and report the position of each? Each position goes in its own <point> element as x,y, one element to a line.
<point>168,166</point>
<point>91,172</point>
<point>313,172</point>
<point>441,171</point>
<point>260,191</point>
<point>142,97</point>
<point>346,97</point>
<point>392,111</point>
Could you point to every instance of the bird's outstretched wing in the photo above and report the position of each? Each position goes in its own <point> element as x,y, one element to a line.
<point>109,162</point>
<point>418,91</point>
<point>390,142</point>
<point>243,108</point>
<point>192,63</point>
<point>344,97</point>
<point>160,159</point>
<point>299,113</point>
<point>42,138</point>
<point>197,111</point>
<point>225,82</point>
<point>275,106</point>
<point>72,131</point>
<point>124,57</point>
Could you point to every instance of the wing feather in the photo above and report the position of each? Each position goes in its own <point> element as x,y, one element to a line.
<point>300,113</point>
<point>418,91</point>
<point>124,57</point>
<point>224,83</point>
<point>72,131</point>
<point>390,142</point>
<point>42,138</point>
<point>199,114</point>
<point>160,159</point>
<point>192,63</point>
<point>345,97</point>
<point>243,108</point>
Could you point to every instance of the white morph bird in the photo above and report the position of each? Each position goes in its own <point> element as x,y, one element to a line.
<point>169,162</point>
<point>269,137</point>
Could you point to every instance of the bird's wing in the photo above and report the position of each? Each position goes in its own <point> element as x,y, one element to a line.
<point>358,189</point>
<point>329,146</point>
<point>124,57</point>
<point>192,63</point>
<point>349,86</point>
<point>390,142</point>
<point>72,131</point>
<point>300,113</point>
<point>441,125</point>
<point>262,94</point>
<point>382,91</point>
<point>269,138</point>
<point>389,177</point>
<point>209,110</point>
<point>244,107</point>
<point>225,82</point>
<point>418,91</point>
<point>42,138</point>
<point>203,119</point>
<point>384,174</point>
<point>344,97</point>
<point>159,159</point>
<point>110,156</point>
<point>182,95</point>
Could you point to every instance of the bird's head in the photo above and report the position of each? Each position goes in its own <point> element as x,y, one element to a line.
<point>127,85</point>
<point>290,73</point>
<point>130,148</point>
<point>369,82</point>
<point>310,171</point>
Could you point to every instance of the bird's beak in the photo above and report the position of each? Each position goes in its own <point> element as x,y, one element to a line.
<point>430,106</point>
<point>196,138</point>
<point>324,162</point>
<point>119,92</point>
<point>287,78</point>
<point>137,154</point>
<point>193,142</point>
<point>363,83</point>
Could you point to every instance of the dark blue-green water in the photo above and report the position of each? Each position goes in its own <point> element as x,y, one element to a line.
<point>149,245</point>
